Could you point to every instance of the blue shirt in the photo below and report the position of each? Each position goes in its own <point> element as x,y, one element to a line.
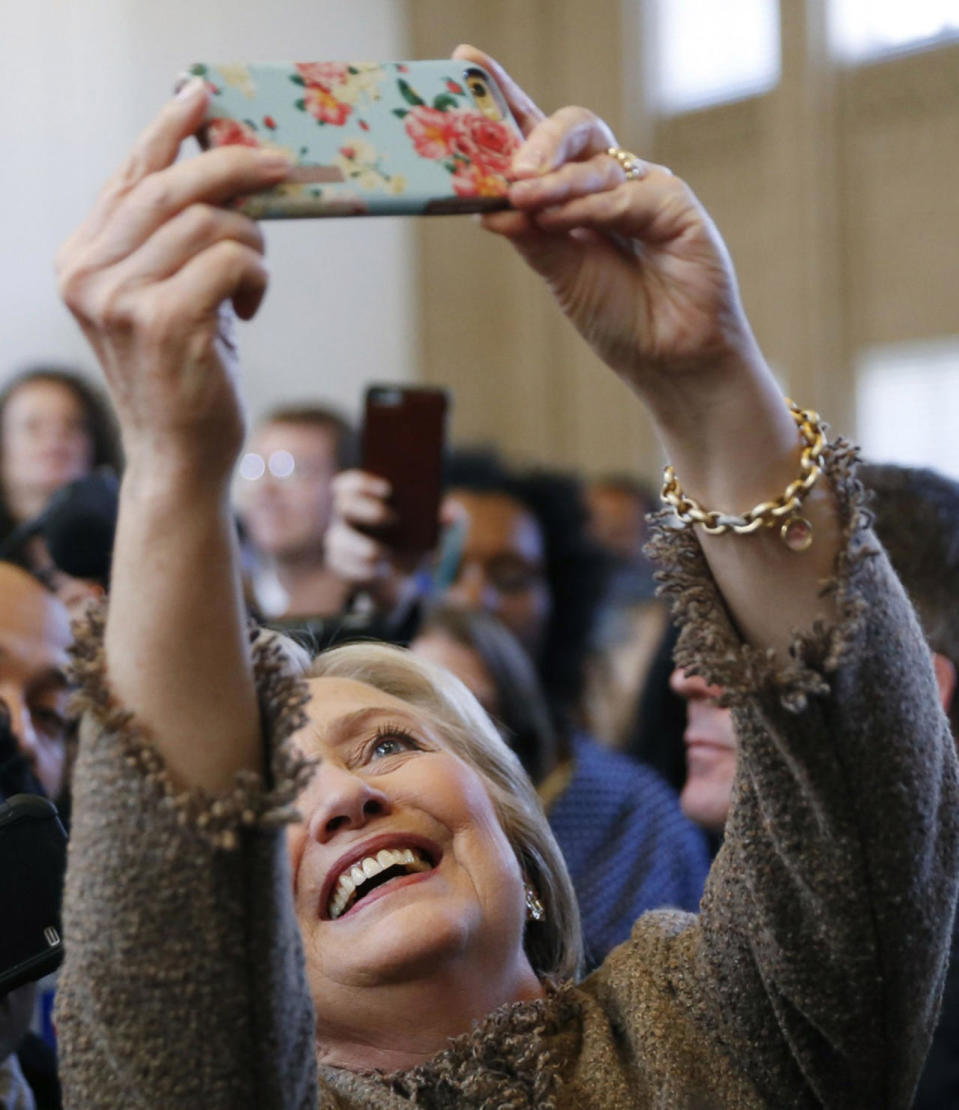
<point>627,845</point>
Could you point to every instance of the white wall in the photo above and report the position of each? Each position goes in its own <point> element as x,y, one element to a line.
<point>80,78</point>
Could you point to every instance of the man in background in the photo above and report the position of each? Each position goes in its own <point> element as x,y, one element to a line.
<point>284,500</point>
<point>34,759</point>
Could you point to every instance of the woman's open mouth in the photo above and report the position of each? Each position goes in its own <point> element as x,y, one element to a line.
<point>361,878</point>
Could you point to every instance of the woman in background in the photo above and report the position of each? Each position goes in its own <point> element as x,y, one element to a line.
<point>55,427</point>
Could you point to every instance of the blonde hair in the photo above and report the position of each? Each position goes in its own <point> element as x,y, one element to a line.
<point>553,945</point>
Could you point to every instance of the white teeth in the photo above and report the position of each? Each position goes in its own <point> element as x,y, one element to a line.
<point>347,883</point>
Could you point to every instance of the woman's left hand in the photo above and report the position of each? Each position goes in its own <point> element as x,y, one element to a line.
<point>640,269</point>
<point>637,265</point>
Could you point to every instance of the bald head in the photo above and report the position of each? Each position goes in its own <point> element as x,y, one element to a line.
<point>34,636</point>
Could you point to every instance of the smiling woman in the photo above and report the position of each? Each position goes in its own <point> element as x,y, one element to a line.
<point>423,722</point>
<point>411,939</point>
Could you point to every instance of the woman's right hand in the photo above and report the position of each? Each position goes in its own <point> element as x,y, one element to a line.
<point>360,500</point>
<point>361,503</point>
<point>150,275</point>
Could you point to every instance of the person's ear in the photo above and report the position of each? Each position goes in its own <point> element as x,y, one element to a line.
<point>945,677</point>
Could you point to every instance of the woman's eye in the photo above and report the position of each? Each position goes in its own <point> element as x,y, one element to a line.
<point>393,743</point>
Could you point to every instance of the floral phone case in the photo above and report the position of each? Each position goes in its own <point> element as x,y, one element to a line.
<point>367,138</point>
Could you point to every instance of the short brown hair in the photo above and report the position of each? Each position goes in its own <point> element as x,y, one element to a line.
<point>916,513</point>
<point>325,419</point>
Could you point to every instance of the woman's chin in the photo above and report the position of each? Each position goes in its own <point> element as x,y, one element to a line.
<point>398,938</point>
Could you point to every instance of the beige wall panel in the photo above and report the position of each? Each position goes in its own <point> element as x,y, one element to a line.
<point>901,198</point>
<point>476,297</point>
<point>720,153</point>
<point>482,333</point>
<point>838,194</point>
<point>522,378</point>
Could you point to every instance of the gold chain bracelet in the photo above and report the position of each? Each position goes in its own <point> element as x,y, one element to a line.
<point>794,530</point>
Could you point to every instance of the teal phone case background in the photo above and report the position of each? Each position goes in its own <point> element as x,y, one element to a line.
<point>366,138</point>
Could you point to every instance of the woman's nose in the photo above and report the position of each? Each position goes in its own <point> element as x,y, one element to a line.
<point>472,590</point>
<point>345,801</point>
<point>691,685</point>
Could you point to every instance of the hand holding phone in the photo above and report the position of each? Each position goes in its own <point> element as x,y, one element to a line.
<point>403,442</point>
<point>367,138</point>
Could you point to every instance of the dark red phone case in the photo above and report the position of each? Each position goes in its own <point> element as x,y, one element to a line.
<point>403,441</point>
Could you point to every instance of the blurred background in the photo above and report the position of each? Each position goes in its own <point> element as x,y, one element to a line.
<point>823,136</point>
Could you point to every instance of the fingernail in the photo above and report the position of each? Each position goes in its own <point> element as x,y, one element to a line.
<point>272,159</point>
<point>190,88</point>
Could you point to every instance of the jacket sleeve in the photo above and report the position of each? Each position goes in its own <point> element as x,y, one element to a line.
<point>183,983</point>
<point>817,961</point>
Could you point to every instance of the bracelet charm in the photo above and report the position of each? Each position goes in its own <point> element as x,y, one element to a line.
<point>796,533</point>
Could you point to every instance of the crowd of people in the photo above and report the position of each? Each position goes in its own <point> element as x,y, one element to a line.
<point>628,810</point>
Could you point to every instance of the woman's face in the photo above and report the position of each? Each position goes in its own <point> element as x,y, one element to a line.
<point>438,647</point>
<point>46,442</point>
<point>503,565</point>
<point>400,865</point>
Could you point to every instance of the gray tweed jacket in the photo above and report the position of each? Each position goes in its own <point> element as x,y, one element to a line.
<point>810,977</point>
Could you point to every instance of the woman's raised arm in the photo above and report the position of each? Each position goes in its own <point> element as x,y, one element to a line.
<point>149,275</point>
<point>640,270</point>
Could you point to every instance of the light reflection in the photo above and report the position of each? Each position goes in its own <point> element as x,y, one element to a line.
<point>865,28</point>
<point>281,464</point>
<point>252,466</point>
<point>702,52</point>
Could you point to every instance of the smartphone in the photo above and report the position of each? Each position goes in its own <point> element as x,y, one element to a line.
<point>367,138</point>
<point>33,854</point>
<point>404,434</point>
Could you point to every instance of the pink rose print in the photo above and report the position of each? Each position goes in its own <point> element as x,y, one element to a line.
<point>486,142</point>
<point>326,74</point>
<point>476,150</point>
<point>473,180</point>
<point>322,104</point>
<point>231,132</point>
<point>430,130</point>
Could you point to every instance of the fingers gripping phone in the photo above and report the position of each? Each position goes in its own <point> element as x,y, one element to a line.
<point>404,431</point>
<point>367,138</point>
